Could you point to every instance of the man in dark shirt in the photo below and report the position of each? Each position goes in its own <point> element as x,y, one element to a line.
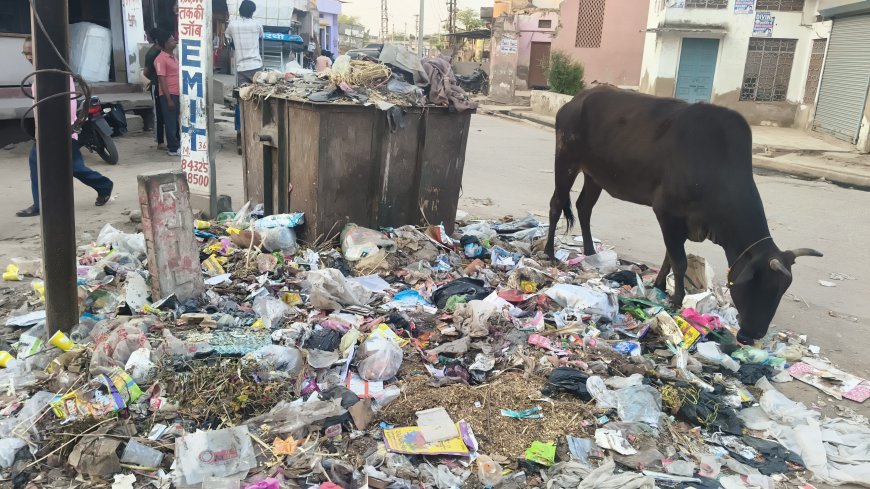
<point>151,73</point>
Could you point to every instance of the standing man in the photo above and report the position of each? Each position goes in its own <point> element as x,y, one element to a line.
<point>245,34</point>
<point>96,181</point>
<point>153,86</point>
<point>166,66</point>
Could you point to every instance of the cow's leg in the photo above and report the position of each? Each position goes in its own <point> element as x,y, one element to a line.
<point>675,235</point>
<point>566,170</point>
<point>661,282</point>
<point>588,197</point>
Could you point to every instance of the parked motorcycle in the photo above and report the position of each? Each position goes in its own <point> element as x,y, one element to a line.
<point>96,134</point>
<point>477,82</point>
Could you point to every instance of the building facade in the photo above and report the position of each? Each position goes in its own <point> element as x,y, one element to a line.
<point>606,37</point>
<point>520,51</point>
<point>329,10</point>
<point>803,63</point>
<point>351,36</point>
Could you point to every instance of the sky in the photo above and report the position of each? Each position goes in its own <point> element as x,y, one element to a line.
<point>402,12</point>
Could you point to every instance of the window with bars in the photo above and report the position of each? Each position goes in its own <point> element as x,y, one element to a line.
<point>780,5</point>
<point>590,23</point>
<point>768,69</point>
<point>545,24</point>
<point>814,74</point>
<point>706,3</point>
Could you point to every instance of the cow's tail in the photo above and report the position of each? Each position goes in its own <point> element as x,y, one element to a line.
<point>569,213</point>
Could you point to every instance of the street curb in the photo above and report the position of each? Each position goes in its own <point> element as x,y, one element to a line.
<point>813,173</point>
<point>783,167</point>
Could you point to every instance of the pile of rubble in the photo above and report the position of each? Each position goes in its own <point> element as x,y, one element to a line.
<point>404,359</point>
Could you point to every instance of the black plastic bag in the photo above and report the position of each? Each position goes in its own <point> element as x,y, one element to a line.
<point>568,380</point>
<point>470,288</point>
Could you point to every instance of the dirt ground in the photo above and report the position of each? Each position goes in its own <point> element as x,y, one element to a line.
<point>508,170</point>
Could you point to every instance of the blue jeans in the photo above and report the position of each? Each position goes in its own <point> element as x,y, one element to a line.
<point>170,120</point>
<point>158,114</point>
<point>89,177</point>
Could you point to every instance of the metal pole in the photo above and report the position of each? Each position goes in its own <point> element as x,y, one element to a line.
<point>54,156</point>
<point>420,30</point>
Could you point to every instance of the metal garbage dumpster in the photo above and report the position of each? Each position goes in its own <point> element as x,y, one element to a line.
<point>341,163</point>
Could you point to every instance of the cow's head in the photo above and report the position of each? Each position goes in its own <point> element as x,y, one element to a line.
<point>757,285</point>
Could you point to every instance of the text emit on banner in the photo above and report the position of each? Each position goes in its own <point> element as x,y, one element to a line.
<point>194,55</point>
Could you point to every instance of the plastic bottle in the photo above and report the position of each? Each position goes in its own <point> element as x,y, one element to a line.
<point>201,225</point>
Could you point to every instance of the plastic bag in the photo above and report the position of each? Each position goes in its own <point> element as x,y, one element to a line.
<point>278,358</point>
<point>383,361</point>
<point>280,239</point>
<point>280,221</point>
<point>641,403</point>
<point>585,299</point>
<point>140,367</point>
<point>329,289</point>
<point>359,242</point>
<point>132,244</point>
<point>603,260</point>
<point>570,380</point>
<point>710,352</point>
<point>488,471</point>
<point>214,453</point>
<point>270,310</point>
<point>117,348</point>
<point>8,448</point>
<point>604,398</point>
<point>286,417</point>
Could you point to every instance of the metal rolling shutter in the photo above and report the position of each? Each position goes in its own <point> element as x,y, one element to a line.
<point>845,79</point>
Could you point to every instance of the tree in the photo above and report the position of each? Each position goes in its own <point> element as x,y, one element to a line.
<point>469,20</point>
<point>345,19</point>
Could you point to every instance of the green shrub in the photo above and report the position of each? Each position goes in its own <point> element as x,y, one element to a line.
<point>565,75</point>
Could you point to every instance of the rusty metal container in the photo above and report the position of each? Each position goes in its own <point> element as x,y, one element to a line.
<point>345,163</point>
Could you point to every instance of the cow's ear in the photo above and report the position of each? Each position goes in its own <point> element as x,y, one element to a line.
<point>742,275</point>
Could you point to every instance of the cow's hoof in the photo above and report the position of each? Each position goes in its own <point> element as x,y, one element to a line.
<point>676,302</point>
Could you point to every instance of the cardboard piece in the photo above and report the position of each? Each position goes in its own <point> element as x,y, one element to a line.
<point>830,380</point>
<point>435,425</point>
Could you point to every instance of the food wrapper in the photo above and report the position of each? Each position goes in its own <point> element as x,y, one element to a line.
<point>106,394</point>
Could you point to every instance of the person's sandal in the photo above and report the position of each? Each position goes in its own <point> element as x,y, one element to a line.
<point>31,211</point>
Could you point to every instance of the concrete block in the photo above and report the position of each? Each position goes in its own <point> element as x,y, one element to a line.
<point>135,123</point>
<point>548,103</point>
<point>167,222</point>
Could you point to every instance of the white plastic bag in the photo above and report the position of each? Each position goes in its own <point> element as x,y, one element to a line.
<point>270,310</point>
<point>383,361</point>
<point>213,453</point>
<point>280,239</point>
<point>132,244</point>
<point>586,299</point>
<point>278,358</point>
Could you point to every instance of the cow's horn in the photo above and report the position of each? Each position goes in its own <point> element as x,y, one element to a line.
<point>777,266</point>
<point>805,252</point>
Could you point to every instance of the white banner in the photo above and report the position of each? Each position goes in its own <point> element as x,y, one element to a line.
<point>194,59</point>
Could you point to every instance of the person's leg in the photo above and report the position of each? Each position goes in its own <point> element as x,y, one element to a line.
<point>34,188</point>
<point>170,119</point>
<point>158,118</point>
<point>34,177</point>
<point>91,178</point>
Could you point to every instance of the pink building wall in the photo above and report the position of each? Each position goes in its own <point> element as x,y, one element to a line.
<point>529,32</point>
<point>618,59</point>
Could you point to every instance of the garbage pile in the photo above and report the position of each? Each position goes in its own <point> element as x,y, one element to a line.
<point>398,78</point>
<point>407,358</point>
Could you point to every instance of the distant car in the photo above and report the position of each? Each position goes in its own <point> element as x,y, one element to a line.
<point>370,53</point>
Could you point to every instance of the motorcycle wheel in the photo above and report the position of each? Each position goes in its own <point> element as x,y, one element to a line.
<point>106,148</point>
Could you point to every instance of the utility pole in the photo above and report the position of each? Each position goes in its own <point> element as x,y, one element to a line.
<point>54,159</point>
<point>420,30</point>
<point>451,22</point>
<point>385,21</point>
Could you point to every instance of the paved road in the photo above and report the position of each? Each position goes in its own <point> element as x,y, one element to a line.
<point>509,171</point>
